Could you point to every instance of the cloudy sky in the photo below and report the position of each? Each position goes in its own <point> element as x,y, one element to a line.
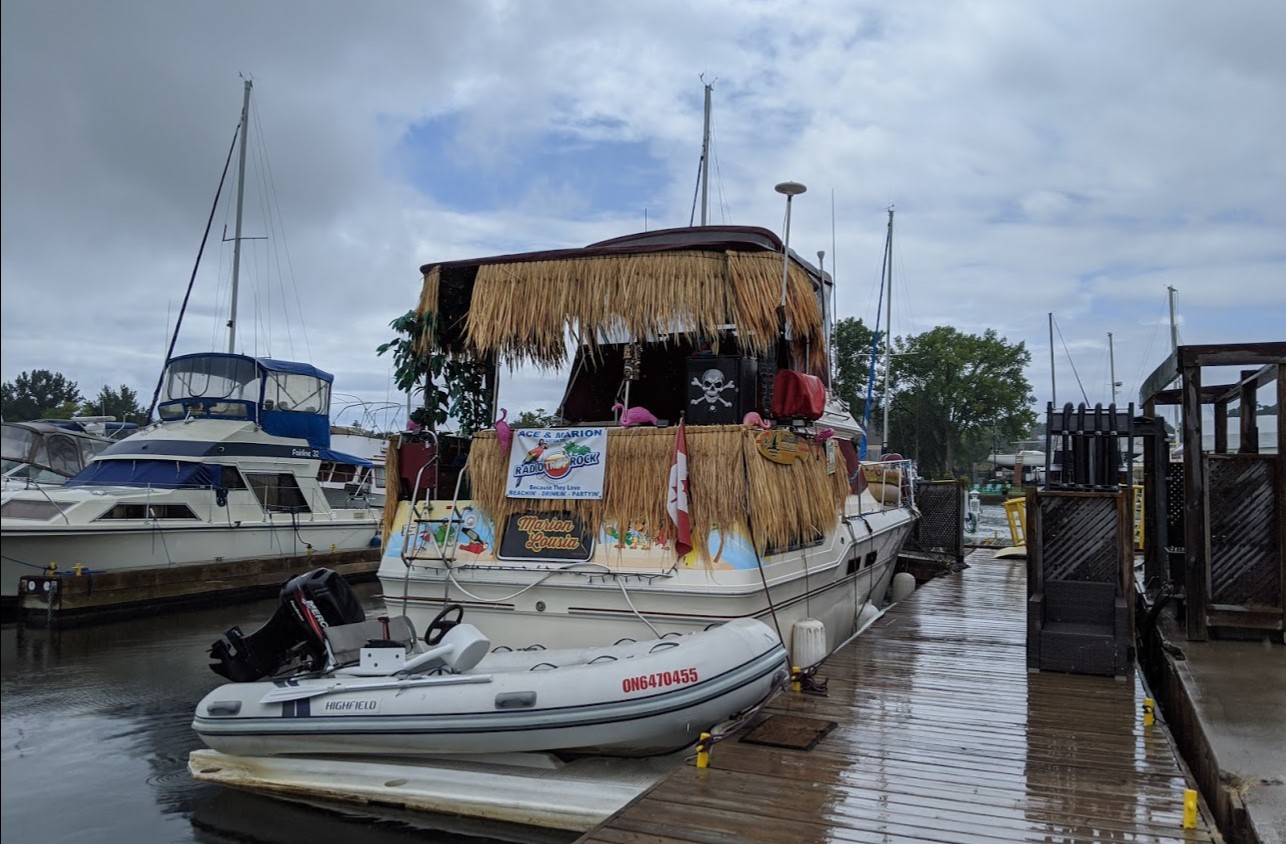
<point>1073,158</point>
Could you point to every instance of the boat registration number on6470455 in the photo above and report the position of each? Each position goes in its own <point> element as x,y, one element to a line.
<point>659,680</point>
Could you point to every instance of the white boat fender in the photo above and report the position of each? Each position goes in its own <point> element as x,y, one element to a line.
<point>868,615</point>
<point>807,642</point>
<point>903,586</point>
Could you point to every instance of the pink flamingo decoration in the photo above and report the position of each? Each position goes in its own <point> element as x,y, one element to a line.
<point>503,435</point>
<point>754,420</point>
<point>635,416</point>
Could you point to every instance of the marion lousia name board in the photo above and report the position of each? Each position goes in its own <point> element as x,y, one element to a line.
<point>557,463</point>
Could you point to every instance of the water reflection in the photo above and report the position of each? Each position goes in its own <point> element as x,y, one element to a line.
<point>96,730</point>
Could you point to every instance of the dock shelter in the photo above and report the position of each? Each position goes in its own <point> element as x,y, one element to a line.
<point>1217,521</point>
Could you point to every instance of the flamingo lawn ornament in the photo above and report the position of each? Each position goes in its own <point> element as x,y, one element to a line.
<point>754,420</point>
<point>823,434</point>
<point>503,434</point>
<point>633,416</point>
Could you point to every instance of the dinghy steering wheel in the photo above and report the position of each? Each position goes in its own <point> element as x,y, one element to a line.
<point>440,624</point>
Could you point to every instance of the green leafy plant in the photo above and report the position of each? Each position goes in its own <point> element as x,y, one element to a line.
<point>452,385</point>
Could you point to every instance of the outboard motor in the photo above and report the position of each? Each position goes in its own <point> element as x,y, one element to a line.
<point>295,635</point>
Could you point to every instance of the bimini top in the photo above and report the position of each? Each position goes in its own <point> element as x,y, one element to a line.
<point>692,282</point>
<point>288,399</point>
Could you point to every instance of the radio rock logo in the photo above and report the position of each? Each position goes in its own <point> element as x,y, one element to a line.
<point>556,461</point>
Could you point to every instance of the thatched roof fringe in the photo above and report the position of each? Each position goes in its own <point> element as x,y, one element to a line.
<point>728,479</point>
<point>428,304</point>
<point>522,310</point>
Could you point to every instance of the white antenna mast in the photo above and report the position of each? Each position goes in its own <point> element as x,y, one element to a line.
<point>705,158</point>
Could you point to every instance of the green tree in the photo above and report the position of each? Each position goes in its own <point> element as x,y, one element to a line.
<point>953,393</point>
<point>122,403</point>
<point>39,394</point>
<point>537,418</point>
<point>419,365</point>
<point>851,350</point>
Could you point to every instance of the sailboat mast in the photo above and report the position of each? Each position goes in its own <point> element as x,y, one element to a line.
<point>705,160</point>
<point>1111,365</point>
<point>888,335</point>
<point>1053,386</point>
<point>236,237</point>
<point>1174,326</point>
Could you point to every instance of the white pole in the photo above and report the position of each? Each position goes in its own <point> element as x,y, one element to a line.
<point>790,190</point>
<point>827,316</point>
<point>236,238</point>
<point>1174,326</point>
<point>705,159</point>
<point>1111,365</point>
<point>1053,384</point>
<point>888,340</point>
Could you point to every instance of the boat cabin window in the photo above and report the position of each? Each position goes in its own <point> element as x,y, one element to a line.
<point>297,393</point>
<point>64,455</point>
<point>148,511</point>
<point>36,511</point>
<point>340,473</point>
<point>230,477</point>
<point>210,385</point>
<point>277,491</point>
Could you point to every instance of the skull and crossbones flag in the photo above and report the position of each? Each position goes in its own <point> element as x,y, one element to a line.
<point>676,503</point>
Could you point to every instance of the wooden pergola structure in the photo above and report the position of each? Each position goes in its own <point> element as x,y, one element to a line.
<point>1233,504</point>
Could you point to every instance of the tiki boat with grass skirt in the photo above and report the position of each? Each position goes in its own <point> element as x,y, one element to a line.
<point>742,495</point>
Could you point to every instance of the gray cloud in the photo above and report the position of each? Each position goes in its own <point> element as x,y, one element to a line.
<point>1066,158</point>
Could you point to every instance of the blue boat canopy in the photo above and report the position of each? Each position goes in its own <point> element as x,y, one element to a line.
<point>158,474</point>
<point>287,398</point>
<point>347,459</point>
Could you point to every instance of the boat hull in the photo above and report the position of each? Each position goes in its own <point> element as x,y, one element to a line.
<point>647,698</point>
<point>571,605</point>
<point>32,551</point>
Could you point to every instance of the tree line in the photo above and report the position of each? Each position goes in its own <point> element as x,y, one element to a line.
<point>42,394</point>
<point>952,396</point>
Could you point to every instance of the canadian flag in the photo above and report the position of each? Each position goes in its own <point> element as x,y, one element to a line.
<point>676,503</point>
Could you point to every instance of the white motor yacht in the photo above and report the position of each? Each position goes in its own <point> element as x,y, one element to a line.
<point>229,472</point>
<point>739,494</point>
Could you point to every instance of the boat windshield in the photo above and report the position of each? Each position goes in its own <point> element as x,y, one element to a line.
<point>17,443</point>
<point>53,456</point>
<point>296,392</point>
<point>211,385</point>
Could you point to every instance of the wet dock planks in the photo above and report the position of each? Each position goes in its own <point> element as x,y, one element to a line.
<point>941,736</point>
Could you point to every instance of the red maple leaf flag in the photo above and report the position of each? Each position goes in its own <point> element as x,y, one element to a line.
<point>676,503</point>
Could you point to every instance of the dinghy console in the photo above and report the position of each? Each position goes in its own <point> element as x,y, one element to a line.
<point>320,626</point>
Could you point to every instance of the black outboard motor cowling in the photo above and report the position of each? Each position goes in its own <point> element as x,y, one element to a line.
<point>294,638</point>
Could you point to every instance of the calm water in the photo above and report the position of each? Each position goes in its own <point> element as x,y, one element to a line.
<point>991,524</point>
<point>96,727</point>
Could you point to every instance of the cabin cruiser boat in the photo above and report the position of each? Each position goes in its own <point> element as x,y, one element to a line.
<point>47,452</point>
<point>345,482</point>
<point>320,679</point>
<point>229,472</point>
<point>741,494</point>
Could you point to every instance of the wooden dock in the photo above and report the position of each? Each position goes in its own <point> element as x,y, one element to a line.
<point>71,597</point>
<point>939,734</point>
